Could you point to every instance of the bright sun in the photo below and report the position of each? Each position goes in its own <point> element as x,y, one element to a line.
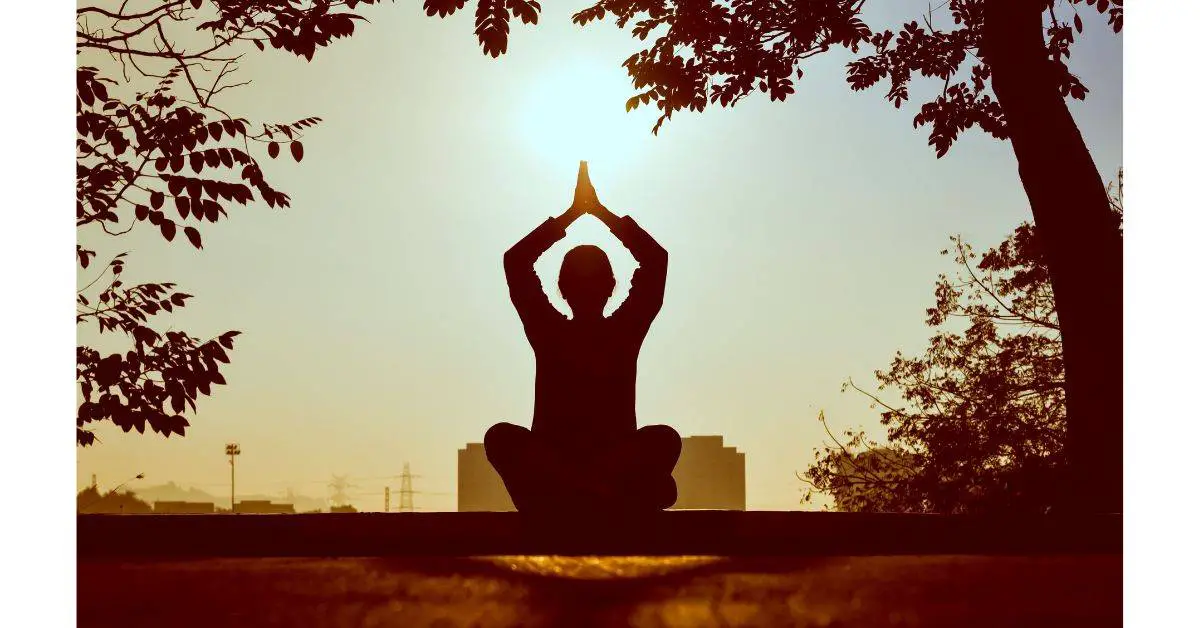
<point>576,111</point>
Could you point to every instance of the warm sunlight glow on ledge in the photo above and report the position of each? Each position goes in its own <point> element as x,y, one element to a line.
<point>600,567</point>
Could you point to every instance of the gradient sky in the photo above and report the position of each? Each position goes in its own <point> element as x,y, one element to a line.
<point>377,330</point>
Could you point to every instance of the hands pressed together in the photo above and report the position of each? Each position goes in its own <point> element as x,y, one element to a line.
<point>586,202</point>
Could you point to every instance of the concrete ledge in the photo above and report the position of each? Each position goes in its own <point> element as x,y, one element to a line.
<point>591,592</point>
<point>718,533</point>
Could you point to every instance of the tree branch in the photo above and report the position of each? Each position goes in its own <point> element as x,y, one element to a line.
<point>121,16</point>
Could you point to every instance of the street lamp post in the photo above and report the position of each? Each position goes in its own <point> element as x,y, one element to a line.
<point>232,450</point>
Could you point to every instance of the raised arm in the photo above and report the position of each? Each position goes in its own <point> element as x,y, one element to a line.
<point>650,279</point>
<point>524,288</point>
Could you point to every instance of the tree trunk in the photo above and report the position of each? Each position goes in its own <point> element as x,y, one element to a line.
<point>1080,236</point>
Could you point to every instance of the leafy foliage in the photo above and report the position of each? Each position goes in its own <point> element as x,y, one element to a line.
<point>151,384</point>
<point>491,19</point>
<point>863,476</point>
<point>154,148</point>
<point>91,501</point>
<point>982,425</point>
<point>708,52</point>
<point>719,52</point>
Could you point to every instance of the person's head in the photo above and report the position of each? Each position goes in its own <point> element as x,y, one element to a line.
<point>586,280</point>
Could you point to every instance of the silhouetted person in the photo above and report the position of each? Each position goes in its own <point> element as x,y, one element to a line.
<point>585,451</point>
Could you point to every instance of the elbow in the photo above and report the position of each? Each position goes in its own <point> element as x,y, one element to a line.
<point>656,256</point>
<point>512,258</point>
<point>516,262</point>
<point>648,252</point>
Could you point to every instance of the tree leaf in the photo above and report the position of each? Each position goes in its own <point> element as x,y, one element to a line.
<point>297,150</point>
<point>195,189</point>
<point>193,236</point>
<point>273,150</point>
<point>84,91</point>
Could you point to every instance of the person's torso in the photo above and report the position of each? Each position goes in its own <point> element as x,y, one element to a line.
<point>586,380</point>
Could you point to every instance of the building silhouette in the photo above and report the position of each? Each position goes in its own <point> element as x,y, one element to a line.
<point>709,476</point>
<point>479,486</point>
<point>263,507</point>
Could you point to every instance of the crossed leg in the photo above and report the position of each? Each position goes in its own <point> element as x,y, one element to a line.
<point>637,470</point>
<point>631,474</point>
<point>536,474</point>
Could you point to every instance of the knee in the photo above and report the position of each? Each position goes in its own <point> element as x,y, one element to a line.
<point>662,439</point>
<point>500,441</point>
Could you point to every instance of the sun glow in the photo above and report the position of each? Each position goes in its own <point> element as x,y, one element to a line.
<point>576,111</point>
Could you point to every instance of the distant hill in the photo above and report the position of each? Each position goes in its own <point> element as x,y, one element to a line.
<point>172,492</point>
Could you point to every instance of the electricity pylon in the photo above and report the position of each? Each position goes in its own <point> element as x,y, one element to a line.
<point>406,490</point>
<point>339,486</point>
